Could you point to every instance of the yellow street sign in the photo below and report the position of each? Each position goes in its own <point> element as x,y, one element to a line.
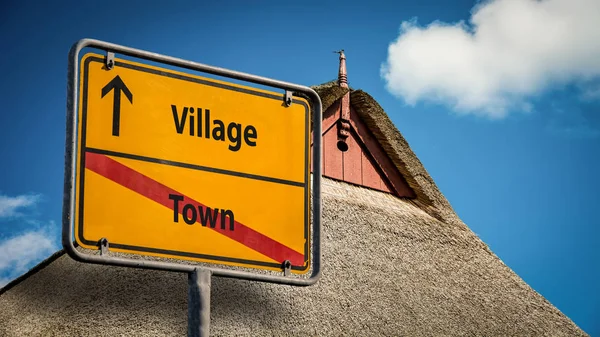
<point>175,165</point>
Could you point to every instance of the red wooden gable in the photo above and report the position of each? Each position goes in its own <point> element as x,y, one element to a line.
<point>350,151</point>
<point>358,159</point>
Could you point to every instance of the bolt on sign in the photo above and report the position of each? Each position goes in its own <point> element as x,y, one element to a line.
<point>171,164</point>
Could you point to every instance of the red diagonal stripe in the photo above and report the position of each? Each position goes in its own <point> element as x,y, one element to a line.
<point>153,190</point>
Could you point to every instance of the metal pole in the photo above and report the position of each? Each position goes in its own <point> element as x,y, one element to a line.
<point>199,303</point>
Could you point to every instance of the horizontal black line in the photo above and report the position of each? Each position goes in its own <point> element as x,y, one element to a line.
<point>173,253</point>
<point>207,82</point>
<point>195,167</point>
<point>193,255</point>
<point>202,256</point>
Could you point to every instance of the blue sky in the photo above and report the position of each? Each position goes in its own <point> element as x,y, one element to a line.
<point>503,109</point>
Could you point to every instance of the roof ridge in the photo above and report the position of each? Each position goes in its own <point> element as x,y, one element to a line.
<point>43,264</point>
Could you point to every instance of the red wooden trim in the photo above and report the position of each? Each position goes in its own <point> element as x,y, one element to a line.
<point>370,176</point>
<point>332,156</point>
<point>381,158</point>
<point>365,163</point>
<point>382,183</point>
<point>349,166</point>
<point>351,161</point>
<point>331,116</point>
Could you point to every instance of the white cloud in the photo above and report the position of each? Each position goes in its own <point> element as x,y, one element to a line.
<point>510,51</point>
<point>10,205</point>
<point>21,252</point>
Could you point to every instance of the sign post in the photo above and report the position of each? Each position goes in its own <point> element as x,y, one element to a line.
<point>190,173</point>
<point>199,303</point>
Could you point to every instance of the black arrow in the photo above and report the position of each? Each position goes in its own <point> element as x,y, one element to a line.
<point>119,86</point>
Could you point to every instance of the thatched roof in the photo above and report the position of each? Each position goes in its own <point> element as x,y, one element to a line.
<point>390,270</point>
<point>429,198</point>
<point>392,266</point>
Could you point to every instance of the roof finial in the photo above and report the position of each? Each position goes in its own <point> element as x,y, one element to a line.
<point>342,75</point>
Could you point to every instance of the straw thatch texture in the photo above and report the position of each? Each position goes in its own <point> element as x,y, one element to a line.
<point>428,195</point>
<point>390,269</point>
<point>429,198</point>
<point>329,93</point>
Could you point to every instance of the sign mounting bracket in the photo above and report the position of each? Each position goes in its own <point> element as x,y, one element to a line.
<point>110,60</point>
<point>103,246</point>
<point>287,268</point>
<point>287,98</point>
